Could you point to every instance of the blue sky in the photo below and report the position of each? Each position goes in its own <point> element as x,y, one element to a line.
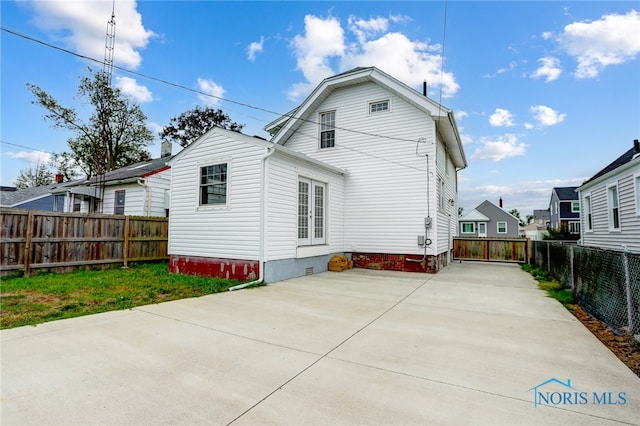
<point>545,93</point>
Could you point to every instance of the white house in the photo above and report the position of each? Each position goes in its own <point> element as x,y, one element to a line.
<point>141,189</point>
<point>610,203</point>
<point>365,167</point>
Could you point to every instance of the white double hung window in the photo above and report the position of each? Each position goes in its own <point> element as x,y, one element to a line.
<point>311,212</point>
<point>327,129</point>
<point>613,207</point>
<point>213,184</point>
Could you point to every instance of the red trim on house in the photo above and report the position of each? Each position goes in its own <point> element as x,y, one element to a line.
<point>399,262</point>
<point>235,269</point>
<point>153,172</point>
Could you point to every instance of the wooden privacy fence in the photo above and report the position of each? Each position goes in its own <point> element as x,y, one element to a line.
<point>63,242</point>
<point>492,249</point>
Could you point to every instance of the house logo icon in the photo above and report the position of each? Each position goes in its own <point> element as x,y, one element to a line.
<point>540,396</point>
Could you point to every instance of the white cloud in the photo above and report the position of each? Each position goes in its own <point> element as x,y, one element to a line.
<point>254,48</point>
<point>499,149</point>
<point>210,88</point>
<point>547,35</point>
<point>31,157</point>
<point>130,86</point>
<point>501,118</point>
<point>81,26</point>
<point>323,39</point>
<point>373,44</point>
<point>546,116</point>
<point>613,39</point>
<point>460,114</point>
<point>550,69</point>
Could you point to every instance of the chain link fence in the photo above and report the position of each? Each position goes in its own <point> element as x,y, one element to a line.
<point>606,283</point>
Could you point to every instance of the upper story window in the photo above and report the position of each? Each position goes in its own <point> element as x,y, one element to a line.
<point>575,207</point>
<point>327,129</point>
<point>378,106</point>
<point>613,207</point>
<point>213,184</point>
<point>119,202</point>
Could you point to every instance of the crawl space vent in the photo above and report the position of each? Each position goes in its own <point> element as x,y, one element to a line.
<point>308,271</point>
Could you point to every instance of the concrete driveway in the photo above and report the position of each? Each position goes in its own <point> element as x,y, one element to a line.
<point>477,343</point>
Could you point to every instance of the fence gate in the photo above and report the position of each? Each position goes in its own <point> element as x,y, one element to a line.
<point>514,250</point>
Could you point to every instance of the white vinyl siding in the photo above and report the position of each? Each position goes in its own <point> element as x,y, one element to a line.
<point>636,192</point>
<point>628,235</point>
<point>386,190</point>
<point>282,227</point>
<point>231,232</point>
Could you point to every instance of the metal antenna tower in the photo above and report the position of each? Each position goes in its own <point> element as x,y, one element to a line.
<point>110,43</point>
<point>102,152</point>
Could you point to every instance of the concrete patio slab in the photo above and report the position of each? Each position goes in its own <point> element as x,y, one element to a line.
<point>464,346</point>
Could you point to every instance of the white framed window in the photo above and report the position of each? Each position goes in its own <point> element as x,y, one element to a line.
<point>213,184</point>
<point>574,227</point>
<point>312,216</point>
<point>468,228</point>
<point>575,207</point>
<point>587,212</point>
<point>378,106</point>
<point>502,227</point>
<point>636,192</point>
<point>327,129</point>
<point>613,207</point>
<point>118,205</point>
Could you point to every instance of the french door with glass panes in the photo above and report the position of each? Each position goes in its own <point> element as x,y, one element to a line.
<point>311,212</point>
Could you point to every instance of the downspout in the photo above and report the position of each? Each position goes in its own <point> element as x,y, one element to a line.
<point>270,151</point>
<point>148,196</point>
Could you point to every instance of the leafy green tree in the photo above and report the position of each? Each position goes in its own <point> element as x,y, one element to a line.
<point>516,213</point>
<point>31,177</point>
<point>191,124</point>
<point>114,136</point>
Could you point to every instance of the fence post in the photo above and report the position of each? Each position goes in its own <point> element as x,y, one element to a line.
<point>27,244</point>
<point>571,266</point>
<point>125,249</point>
<point>627,280</point>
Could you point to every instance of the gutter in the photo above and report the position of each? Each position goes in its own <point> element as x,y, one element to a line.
<point>140,182</point>
<point>270,151</point>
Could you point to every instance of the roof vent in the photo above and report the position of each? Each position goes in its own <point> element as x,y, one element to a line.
<point>636,146</point>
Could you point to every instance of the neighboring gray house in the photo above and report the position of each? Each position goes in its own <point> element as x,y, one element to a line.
<point>611,204</point>
<point>35,198</point>
<point>537,229</point>
<point>488,220</point>
<point>564,210</point>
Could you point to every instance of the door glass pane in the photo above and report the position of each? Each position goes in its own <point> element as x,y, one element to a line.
<point>319,212</point>
<point>303,210</point>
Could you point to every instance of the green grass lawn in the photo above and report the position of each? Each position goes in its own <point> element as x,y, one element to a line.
<point>48,297</point>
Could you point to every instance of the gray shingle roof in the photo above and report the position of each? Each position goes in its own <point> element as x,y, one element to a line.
<point>566,193</point>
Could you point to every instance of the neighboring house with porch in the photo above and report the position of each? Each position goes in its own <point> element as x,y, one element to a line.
<point>564,210</point>
<point>489,220</point>
<point>611,204</point>
<point>140,189</point>
<point>365,167</point>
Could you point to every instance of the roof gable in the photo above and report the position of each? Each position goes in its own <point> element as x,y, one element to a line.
<point>285,127</point>
<point>474,216</point>
<point>626,158</point>
<point>567,193</point>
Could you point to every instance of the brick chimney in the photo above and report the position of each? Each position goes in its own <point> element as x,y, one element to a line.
<point>59,178</point>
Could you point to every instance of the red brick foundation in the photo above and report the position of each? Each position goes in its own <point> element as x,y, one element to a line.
<point>241,270</point>
<point>399,262</point>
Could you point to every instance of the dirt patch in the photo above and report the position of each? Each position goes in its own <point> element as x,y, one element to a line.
<point>624,347</point>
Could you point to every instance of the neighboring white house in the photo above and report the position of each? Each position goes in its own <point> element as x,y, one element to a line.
<point>610,203</point>
<point>366,166</point>
<point>141,189</point>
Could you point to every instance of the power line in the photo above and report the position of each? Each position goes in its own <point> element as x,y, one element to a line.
<point>182,87</point>
<point>27,147</point>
